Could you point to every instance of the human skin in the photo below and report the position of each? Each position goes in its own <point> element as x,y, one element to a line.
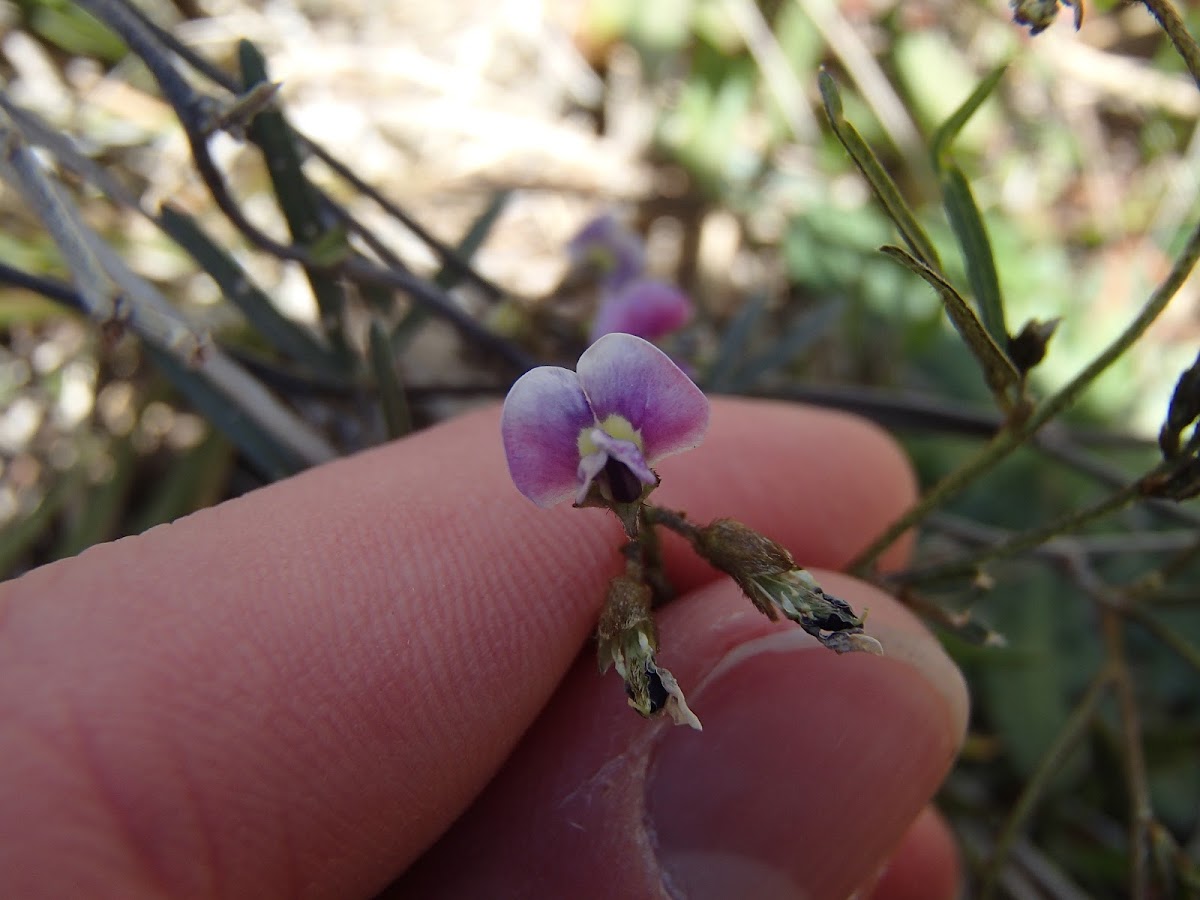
<point>380,672</point>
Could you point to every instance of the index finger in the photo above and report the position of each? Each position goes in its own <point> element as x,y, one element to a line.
<point>303,687</point>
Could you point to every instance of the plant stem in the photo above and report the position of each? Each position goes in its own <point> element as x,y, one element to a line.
<point>1015,433</point>
<point>675,521</point>
<point>1026,540</point>
<point>1141,816</point>
<point>1071,733</point>
<point>1182,648</point>
<point>1172,24</point>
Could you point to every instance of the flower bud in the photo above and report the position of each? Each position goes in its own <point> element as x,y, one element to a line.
<point>1027,347</point>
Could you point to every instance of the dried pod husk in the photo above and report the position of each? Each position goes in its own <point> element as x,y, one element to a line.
<point>769,576</point>
<point>627,640</point>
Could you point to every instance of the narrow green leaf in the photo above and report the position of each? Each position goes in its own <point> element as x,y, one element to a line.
<point>273,460</point>
<point>877,177</point>
<point>998,370</point>
<point>280,332</point>
<point>448,277</point>
<point>392,398</point>
<point>270,132</point>
<point>733,345</point>
<point>942,139</point>
<point>74,30</point>
<point>971,233</point>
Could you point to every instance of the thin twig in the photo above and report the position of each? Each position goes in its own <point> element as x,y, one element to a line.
<point>1016,433</point>
<point>191,109</point>
<point>449,257</point>
<point>1024,540</point>
<point>1063,449</point>
<point>1178,645</point>
<point>113,293</point>
<point>1141,814</point>
<point>1092,545</point>
<point>1172,24</point>
<point>95,290</point>
<point>1065,741</point>
<point>446,254</point>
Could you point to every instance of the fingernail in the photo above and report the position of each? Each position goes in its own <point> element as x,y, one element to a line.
<point>809,770</point>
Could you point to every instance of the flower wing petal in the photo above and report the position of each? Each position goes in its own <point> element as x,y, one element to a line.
<point>543,415</point>
<point>589,467</point>
<point>627,376</point>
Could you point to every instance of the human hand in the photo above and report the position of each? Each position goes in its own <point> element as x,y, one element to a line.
<point>297,693</point>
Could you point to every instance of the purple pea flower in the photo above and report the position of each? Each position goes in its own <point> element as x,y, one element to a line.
<point>607,247</point>
<point>645,307</point>
<point>596,431</point>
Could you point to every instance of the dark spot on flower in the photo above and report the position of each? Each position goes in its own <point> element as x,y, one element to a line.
<point>625,486</point>
<point>658,693</point>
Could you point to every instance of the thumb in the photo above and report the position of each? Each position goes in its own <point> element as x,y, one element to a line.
<point>810,769</point>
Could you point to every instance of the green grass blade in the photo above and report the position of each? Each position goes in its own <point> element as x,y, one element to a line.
<point>281,153</point>
<point>392,399</point>
<point>877,177</point>
<point>971,233</point>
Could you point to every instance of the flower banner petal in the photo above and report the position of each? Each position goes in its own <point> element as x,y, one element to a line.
<point>543,415</point>
<point>629,377</point>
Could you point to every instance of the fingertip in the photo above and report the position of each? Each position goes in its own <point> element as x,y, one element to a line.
<point>839,753</point>
<point>925,866</point>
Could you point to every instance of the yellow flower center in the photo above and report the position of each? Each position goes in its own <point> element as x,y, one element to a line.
<point>614,426</point>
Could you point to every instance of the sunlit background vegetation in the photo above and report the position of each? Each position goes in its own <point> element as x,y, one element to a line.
<point>483,135</point>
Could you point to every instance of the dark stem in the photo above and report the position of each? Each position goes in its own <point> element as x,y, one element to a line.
<point>675,521</point>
